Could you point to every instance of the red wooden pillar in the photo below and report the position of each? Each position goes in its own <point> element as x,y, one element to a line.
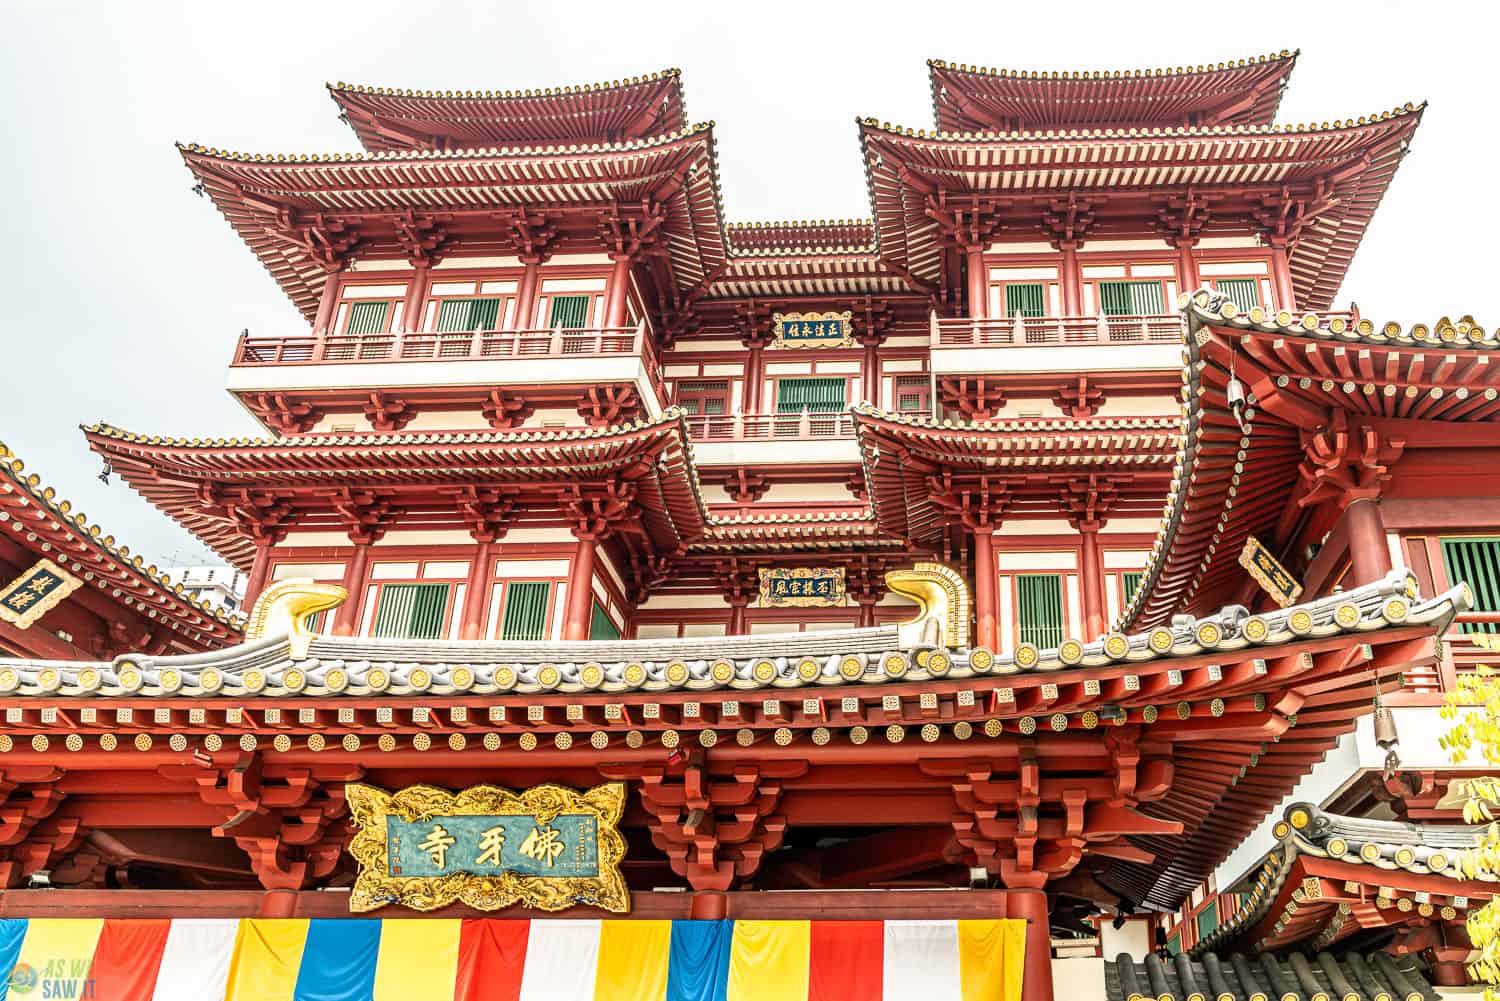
<point>525,317</point>
<point>1069,276</point>
<point>416,299</point>
<point>580,607</point>
<point>1369,555</point>
<point>476,593</point>
<point>346,619</point>
<point>737,603</point>
<point>260,572</point>
<point>617,295</point>
<point>1031,906</point>
<point>1281,280</point>
<point>986,611</point>
<point>979,284</point>
<point>1091,580</point>
<point>326,305</point>
<point>867,603</point>
<point>871,374</point>
<point>754,378</point>
<point>1187,266</point>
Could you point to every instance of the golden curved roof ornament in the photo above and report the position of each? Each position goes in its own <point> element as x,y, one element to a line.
<point>285,608</point>
<point>943,597</point>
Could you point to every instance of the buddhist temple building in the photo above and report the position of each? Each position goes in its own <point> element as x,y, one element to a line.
<point>1041,588</point>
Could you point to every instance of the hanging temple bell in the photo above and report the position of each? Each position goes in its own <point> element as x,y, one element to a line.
<point>1386,737</point>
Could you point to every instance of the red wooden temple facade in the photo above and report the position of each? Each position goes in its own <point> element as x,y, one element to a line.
<point>556,426</point>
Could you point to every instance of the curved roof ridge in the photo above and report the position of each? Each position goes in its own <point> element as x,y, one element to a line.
<point>558,91</point>
<point>1288,55</point>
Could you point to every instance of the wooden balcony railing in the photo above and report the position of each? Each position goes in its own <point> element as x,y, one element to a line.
<point>1047,331</point>
<point>1428,681</point>
<point>802,426</point>
<point>463,345</point>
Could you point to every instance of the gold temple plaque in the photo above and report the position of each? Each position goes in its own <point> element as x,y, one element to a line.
<point>812,330</point>
<point>35,593</point>
<point>1269,573</point>
<point>802,587</point>
<point>547,847</point>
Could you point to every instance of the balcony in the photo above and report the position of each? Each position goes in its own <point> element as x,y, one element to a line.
<point>962,345</point>
<point>1425,682</point>
<point>559,356</point>
<point>799,438</point>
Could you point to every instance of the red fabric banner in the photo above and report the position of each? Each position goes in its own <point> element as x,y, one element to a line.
<point>846,961</point>
<point>127,960</point>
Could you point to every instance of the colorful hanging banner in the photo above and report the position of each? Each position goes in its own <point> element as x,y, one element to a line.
<point>812,330</point>
<point>548,847</point>
<point>438,959</point>
<point>801,587</point>
<point>35,593</point>
<point>1269,573</point>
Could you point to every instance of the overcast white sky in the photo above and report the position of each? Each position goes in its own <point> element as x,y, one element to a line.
<point>125,292</point>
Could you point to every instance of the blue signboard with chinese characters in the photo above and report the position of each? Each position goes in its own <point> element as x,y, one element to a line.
<point>811,330</point>
<point>567,845</point>
<point>35,592</point>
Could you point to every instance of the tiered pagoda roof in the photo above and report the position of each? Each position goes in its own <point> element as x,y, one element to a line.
<point>304,215</point>
<point>393,118</point>
<point>1333,877</point>
<point>786,259</point>
<point>1232,479</point>
<point>919,469</point>
<point>1318,185</point>
<point>40,522</point>
<point>215,488</point>
<point>973,99</point>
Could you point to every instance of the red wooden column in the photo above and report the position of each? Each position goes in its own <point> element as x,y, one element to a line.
<point>260,572</point>
<point>737,603</point>
<point>477,592</point>
<point>580,607</point>
<point>1031,906</point>
<point>617,295</point>
<point>1070,278</point>
<point>1281,279</point>
<point>754,371</point>
<point>867,605</point>
<point>871,371</point>
<point>1187,265</point>
<point>346,619</point>
<point>526,295</point>
<point>327,304</point>
<point>1091,580</point>
<point>1369,555</point>
<point>979,284</point>
<point>416,299</point>
<point>986,609</point>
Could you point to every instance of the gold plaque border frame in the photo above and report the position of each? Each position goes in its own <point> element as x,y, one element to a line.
<point>768,574</point>
<point>369,806</point>
<point>846,316</point>
<point>1266,584</point>
<point>24,620</point>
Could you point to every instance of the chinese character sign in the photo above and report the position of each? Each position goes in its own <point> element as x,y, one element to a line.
<point>36,592</point>
<point>1269,573</point>
<point>547,847</point>
<point>811,330</point>
<point>782,587</point>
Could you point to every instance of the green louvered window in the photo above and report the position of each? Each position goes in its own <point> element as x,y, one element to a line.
<point>411,611</point>
<point>1243,292</point>
<point>1026,298</point>
<point>1131,299</point>
<point>1208,919</point>
<point>1476,562</point>
<point>703,398</point>
<point>571,312</point>
<point>1132,583</point>
<point>818,396</point>
<point>525,616</point>
<point>366,317</point>
<point>912,393</point>
<point>1039,608</point>
<point>468,314</point>
<point>602,627</point>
